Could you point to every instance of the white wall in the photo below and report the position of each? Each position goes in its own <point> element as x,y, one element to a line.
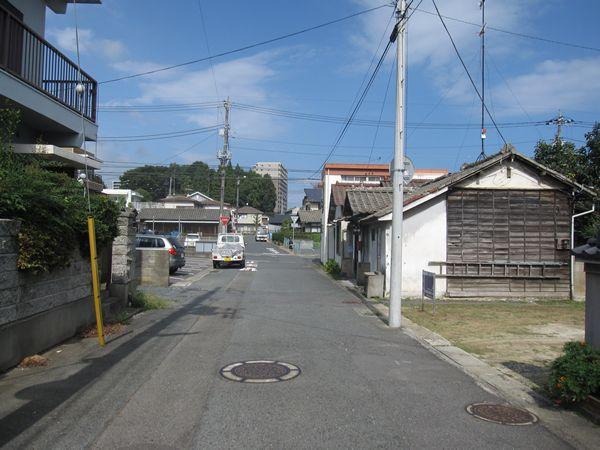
<point>423,240</point>
<point>521,177</point>
<point>34,13</point>
<point>328,181</point>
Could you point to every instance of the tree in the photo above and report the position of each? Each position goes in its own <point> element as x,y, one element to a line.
<point>581,165</point>
<point>255,190</point>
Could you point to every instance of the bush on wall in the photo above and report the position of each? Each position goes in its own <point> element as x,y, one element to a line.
<point>50,205</point>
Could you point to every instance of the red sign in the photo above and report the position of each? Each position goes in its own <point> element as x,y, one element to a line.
<point>224,220</point>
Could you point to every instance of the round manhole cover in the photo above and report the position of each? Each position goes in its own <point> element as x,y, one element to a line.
<point>502,414</point>
<point>260,371</point>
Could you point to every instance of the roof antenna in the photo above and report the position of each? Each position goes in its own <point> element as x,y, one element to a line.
<point>482,155</point>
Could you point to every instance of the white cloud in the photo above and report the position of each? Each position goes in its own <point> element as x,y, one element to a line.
<point>65,39</point>
<point>243,78</point>
<point>552,85</point>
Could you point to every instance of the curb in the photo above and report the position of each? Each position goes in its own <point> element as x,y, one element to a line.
<point>564,424</point>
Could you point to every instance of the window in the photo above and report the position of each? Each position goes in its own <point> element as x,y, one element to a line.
<point>158,243</point>
<point>144,242</point>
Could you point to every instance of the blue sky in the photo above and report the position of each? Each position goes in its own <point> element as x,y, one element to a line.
<point>320,72</point>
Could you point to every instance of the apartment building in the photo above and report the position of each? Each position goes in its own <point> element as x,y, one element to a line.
<point>280,179</point>
<point>58,103</point>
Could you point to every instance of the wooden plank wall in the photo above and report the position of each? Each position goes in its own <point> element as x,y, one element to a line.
<point>486,225</point>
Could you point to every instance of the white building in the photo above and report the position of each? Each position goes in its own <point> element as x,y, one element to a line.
<point>127,196</point>
<point>44,84</point>
<point>279,175</point>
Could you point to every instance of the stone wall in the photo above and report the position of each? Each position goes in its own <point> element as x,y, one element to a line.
<point>39,310</point>
<point>123,258</point>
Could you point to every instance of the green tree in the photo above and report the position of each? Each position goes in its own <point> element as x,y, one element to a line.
<point>581,165</point>
<point>562,157</point>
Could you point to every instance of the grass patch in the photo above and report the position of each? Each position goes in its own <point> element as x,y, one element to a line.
<point>527,336</point>
<point>147,301</point>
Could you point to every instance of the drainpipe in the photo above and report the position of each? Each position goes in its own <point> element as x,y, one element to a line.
<point>573,217</point>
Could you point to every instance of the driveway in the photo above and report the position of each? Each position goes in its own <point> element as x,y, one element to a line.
<point>361,384</point>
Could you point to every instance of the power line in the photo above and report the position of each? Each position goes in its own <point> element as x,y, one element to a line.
<point>387,88</point>
<point>514,33</point>
<point>467,71</point>
<point>158,136</point>
<point>246,47</point>
<point>358,103</point>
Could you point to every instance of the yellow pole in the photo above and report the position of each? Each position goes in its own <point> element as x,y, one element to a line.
<point>95,281</point>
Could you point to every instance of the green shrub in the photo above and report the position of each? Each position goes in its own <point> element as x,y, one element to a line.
<point>147,301</point>
<point>51,207</point>
<point>332,268</point>
<point>575,374</point>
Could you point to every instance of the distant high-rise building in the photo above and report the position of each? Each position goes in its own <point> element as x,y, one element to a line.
<point>280,179</point>
<point>116,185</point>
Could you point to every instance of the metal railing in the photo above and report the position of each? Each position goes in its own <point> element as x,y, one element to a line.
<point>28,56</point>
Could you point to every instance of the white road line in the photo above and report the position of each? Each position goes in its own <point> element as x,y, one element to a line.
<point>272,250</point>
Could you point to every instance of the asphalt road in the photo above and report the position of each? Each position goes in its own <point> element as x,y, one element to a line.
<point>361,386</point>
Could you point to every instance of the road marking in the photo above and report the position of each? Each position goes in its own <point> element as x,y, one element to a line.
<point>272,250</point>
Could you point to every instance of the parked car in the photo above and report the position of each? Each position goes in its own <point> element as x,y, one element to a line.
<point>191,239</point>
<point>230,250</point>
<point>164,243</point>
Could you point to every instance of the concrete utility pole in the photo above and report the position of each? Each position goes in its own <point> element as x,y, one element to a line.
<point>224,156</point>
<point>559,121</point>
<point>394,318</point>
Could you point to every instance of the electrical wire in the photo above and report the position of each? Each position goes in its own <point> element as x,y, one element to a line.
<point>387,88</point>
<point>246,47</point>
<point>514,33</point>
<point>468,73</point>
<point>159,136</point>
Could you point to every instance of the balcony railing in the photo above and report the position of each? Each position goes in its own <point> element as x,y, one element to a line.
<point>26,55</point>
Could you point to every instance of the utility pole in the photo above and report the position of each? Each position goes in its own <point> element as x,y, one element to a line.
<point>224,156</point>
<point>394,318</point>
<point>482,35</point>
<point>237,192</point>
<point>559,121</point>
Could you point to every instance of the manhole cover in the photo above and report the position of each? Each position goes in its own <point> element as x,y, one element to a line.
<point>260,371</point>
<point>503,414</point>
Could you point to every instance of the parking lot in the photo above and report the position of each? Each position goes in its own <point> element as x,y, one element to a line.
<point>195,263</point>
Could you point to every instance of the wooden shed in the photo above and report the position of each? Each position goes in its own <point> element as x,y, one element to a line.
<point>500,227</point>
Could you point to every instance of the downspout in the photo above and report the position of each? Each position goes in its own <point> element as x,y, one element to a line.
<point>573,217</point>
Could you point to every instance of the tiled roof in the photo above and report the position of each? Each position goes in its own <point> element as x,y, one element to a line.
<point>248,210</point>
<point>314,195</point>
<point>589,252</point>
<point>472,169</point>
<point>314,216</point>
<point>367,200</point>
<point>176,214</point>
<point>278,219</point>
<point>338,191</point>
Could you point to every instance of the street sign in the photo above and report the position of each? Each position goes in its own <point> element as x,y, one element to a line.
<point>409,169</point>
<point>428,288</point>
<point>294,219</point>
<point>428,284</point>
<point>224,220</point>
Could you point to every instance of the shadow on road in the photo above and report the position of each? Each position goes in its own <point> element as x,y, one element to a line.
<point>46,397</point>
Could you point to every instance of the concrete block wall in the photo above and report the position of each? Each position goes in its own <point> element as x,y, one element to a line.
<point>39,310</point>
<point>152,267</point>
